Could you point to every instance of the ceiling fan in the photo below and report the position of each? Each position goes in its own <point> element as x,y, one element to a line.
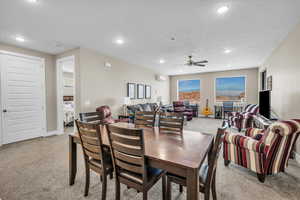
<point>201,63</point>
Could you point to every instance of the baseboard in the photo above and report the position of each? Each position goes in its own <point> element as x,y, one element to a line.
<point>297,158</point>
<point>54,132</point>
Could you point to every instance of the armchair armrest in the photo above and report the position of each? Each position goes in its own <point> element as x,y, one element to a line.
<point>245,142</point>
<point>233,114</point>
<point>252,132</point>
<point>188,110</point>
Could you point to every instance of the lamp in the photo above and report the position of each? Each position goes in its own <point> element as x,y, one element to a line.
<point>126,101</point>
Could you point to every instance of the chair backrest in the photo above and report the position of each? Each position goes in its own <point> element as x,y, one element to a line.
<point>228,106</point>
<point>252,108</point>
<point>145,118</point>
<point>279,140</point>
<point>215,152</point>
<point>127,147</point>
<point>91,142</point>
<point>171,122</point>
<point>90,117</point>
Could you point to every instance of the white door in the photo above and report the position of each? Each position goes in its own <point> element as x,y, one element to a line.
<point>22,98</point>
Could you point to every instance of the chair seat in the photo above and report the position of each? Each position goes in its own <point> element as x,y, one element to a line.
<point>203,172</point>
<point>152,173</point>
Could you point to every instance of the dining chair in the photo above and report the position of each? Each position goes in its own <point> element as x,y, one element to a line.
<point>171,122</point>
<point>227,108</point>
<point>90,117</point>
<point>207,172</point>
<point>95,157</point>
<point>145,119</point>
<point>130,166</point>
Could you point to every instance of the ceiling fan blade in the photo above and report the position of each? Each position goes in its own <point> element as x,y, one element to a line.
<point>199,65</point>
<point>203,61</point>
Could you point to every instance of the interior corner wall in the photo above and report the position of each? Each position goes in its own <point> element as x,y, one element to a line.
<point>284,67</point>
<point>50,73</point>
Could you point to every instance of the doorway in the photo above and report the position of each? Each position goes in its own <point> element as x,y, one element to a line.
<point>65,94</point>
<point>22,102</point>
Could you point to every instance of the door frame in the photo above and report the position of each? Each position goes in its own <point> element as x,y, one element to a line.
<point>43,80</point>
<point>59,92</point>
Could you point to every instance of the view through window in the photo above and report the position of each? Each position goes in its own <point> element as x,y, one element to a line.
<point>230,88</point>
<point>189,90</point>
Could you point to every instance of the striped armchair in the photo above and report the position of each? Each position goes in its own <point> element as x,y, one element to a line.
<point>242,120</point>
<point>264,152</point>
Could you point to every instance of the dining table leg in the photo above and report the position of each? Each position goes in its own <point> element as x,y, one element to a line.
<point>192,188</point>
<point>72,160</point>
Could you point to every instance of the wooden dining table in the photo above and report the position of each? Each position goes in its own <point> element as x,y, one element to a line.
<point>180,154</point>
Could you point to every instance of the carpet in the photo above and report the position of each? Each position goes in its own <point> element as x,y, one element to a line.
<point>38,170</point>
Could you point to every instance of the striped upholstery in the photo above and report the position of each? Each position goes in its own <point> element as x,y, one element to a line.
<point>242,120</point>
<point>270,154</point>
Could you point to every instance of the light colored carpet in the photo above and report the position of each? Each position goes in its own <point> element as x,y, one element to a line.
<point>38,170</point>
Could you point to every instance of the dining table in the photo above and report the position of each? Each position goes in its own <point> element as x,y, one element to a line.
<point>180,154</point>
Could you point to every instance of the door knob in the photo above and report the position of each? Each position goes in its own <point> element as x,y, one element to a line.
<point>4,110</point>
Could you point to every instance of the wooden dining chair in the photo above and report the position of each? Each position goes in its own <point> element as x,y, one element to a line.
<point>171,122</point>
<point>95,157</point>
<point>90,117</point>
<point>207,172</point>
<point>145,119</point>
<point>127,149</point>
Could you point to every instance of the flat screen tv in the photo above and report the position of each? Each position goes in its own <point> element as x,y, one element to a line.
<point>265,103</point>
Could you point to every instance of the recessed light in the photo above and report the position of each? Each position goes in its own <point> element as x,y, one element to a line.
<point>119,41</point>
<point>223,10</point>
<point>32,1</point>
<point>162,61</point>
<point>20,39</point>
<point>227,51</point>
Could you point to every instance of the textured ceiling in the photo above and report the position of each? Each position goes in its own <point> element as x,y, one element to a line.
<point>251,29</point>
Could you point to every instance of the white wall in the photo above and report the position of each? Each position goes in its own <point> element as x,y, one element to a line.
<point>284,67</point>
<point>100,86</point>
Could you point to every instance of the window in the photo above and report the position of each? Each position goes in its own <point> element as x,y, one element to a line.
<point>189,90</point>
<point>230,88</point>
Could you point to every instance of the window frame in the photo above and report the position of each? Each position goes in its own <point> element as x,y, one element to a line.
<point>236,76</point>
<point>177,90</point>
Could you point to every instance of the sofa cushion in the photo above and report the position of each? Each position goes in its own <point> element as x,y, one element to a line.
<point>132,108</point>
<point>139,107</point>
<point>147,107</point>
<point>153,106</point>
<point>143,106</point>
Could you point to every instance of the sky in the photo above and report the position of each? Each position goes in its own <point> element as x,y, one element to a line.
<point>189,85</point>
<point>230,84</point>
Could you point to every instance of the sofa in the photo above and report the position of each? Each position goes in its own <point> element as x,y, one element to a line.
<point>264,152</point>
<point>131,109</point>
<point>243,120</point>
